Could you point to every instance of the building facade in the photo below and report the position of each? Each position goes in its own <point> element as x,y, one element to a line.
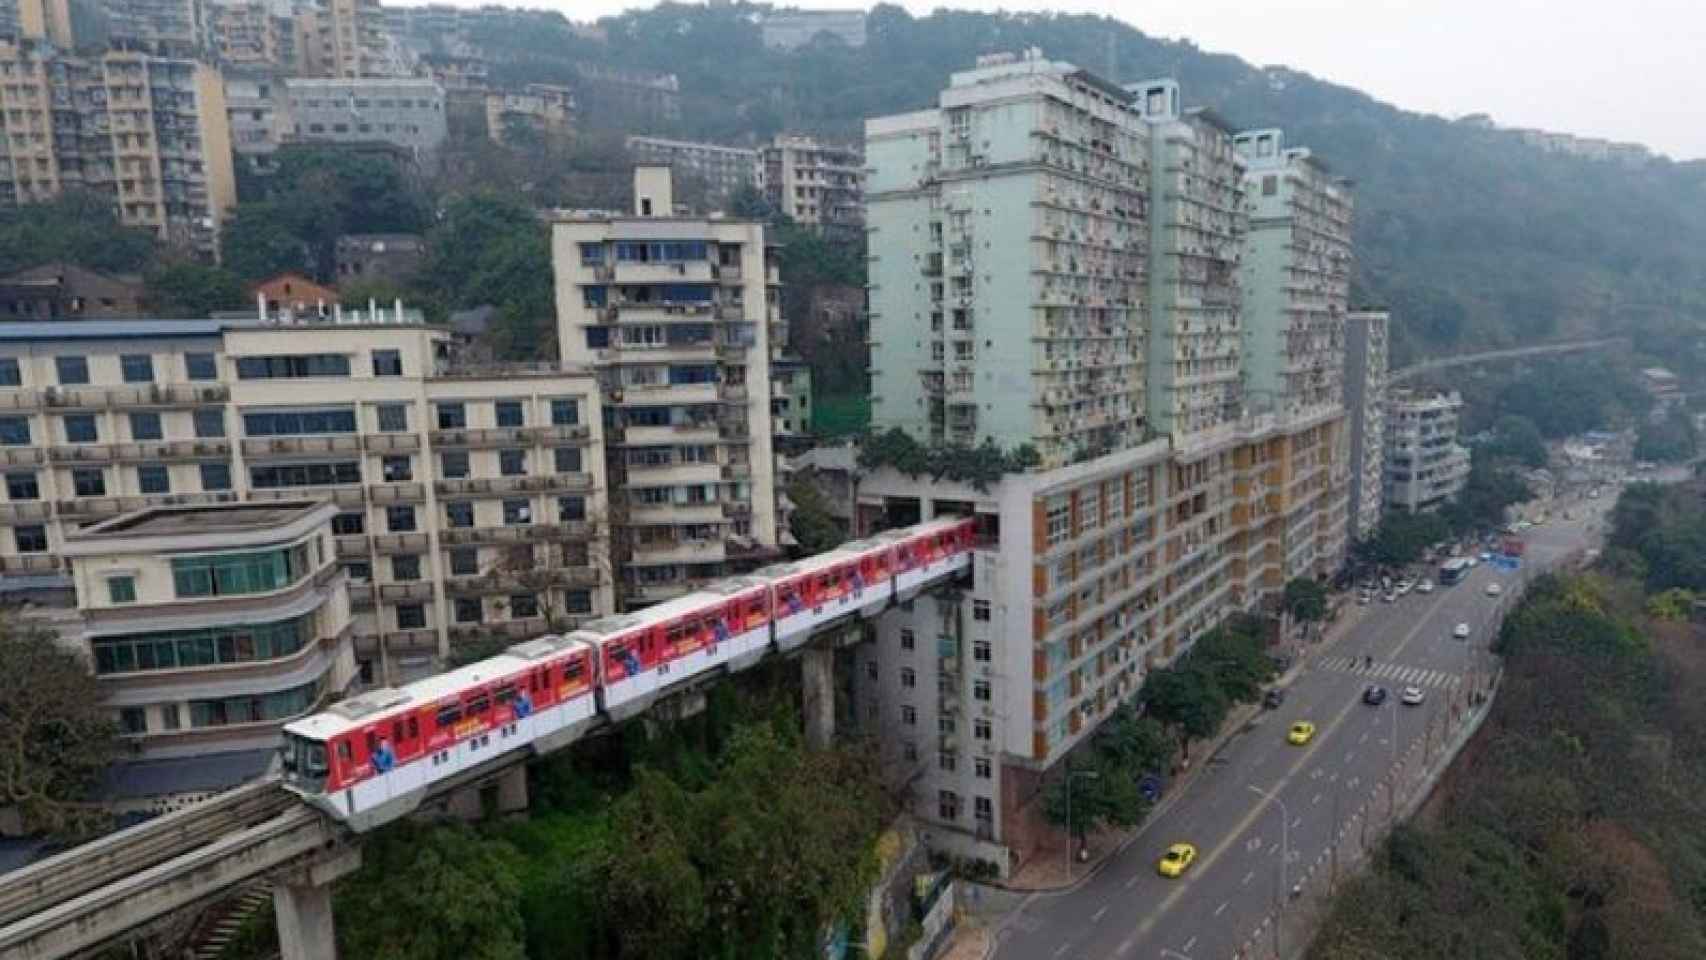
<point>677,316</point>
<point>209,627</point>
<point>1007,229</point>
<point>1425,465</point>
<point>817,184</point>
<point>36,20</point>
<point>254,34</point>
<point>408,114</point>
<point>394,257</point>
<point>724,169</point>
<point>149,132</point>
<point>346,39</point>
<point>468,500</point>
<point>169,28</point>
<point>1365,411</point>
<point>792,29</point>
<point>65,291</point>
<point>538,109</point>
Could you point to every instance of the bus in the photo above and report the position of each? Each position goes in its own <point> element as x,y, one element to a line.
<point>1453,570</point>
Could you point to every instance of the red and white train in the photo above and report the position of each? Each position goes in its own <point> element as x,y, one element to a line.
<point>374,757</point>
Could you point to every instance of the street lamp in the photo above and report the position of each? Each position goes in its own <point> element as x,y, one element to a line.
<point>1070,775</point>
<point>1285,847</point>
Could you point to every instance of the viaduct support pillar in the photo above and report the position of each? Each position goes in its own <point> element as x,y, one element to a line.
<point>302,903</point>
<point>512,790</point>
<point>817,678</point>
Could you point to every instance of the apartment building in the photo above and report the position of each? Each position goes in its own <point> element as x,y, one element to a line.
<point>1296,274</point>
<point>678,316</point>
<point>1425,465</point>
<point>1365,412</point>
<point>259,116</point>
<point>1007,227</point>
<point>408,114</point>
<point>149,132</point>
<point>36,20</point>
<point>537,110</point>
<point>468,498</point>
<point>723,169</point>
<point>1105,312</point>
<point>171,28</point>
<point>254,34</point>
<point>1196,226</point>
<point>792,29</point>
<point>346,39</point>
<point>817,184</point>
<point>209,627</point>
<point>791,410</point>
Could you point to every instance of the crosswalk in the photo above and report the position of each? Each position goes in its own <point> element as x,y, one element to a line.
<point>1395,674</point>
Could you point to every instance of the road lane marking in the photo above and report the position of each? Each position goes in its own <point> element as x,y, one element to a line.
<point>1190,943</point>
<point>1126,945</point>
<point>1097,918</point>
<point>1222,908</point>
<point>1133,881</point>
<point>1315,800</point>
<point>1299,821</point>
<point>1062,949</point>
<point>1362,739</point>
<point>1247,878</point>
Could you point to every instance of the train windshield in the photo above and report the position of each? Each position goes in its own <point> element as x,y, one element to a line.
<point>304,762</point>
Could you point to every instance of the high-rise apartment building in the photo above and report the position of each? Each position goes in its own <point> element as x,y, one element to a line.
<point>817,184</point>
<point>1365,412</point>
<point>254,34</point>
<point>1296,272</point>
<point>209,627</point>
<point>1056,261</point>
<point>36,20</point>
<point>723,169</point>
<point>1007,226</point>
<point>346,38</point>
<point>679,316</point>
<point>408,114</point>
<point>1425,465</point>
<point>171,28</point>
<point>149,132</point>
<point>1196,228</point>
<point>468,500</point>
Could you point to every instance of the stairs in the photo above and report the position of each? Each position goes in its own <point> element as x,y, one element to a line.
<point>220,924</point>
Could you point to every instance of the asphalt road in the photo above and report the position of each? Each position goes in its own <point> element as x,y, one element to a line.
<point>1127,910</point>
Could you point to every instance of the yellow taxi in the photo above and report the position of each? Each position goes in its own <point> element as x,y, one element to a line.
<point>1300,733</point>
<point>1177,859</point>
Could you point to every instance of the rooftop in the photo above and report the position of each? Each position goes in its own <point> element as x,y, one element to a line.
<point>219,518</point>
<point>110,329</point>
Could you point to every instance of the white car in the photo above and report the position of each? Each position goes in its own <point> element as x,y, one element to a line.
<point>1486,555</point>
<point>1412,697</point>
<point>1462,631</point>
<point>1404,587</point>
<point>1474,562</point>
<point>1494,589</point>
<point>1426,586</point>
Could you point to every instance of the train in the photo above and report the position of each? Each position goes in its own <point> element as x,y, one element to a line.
<point>374,757</point>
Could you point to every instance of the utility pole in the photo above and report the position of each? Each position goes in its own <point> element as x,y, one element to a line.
<point>1070,774</point>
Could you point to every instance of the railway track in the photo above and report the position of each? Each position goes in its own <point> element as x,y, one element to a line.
<point>65,876</point>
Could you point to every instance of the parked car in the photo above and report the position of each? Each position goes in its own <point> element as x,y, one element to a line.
<point>1461,632</point>
<point>1426,586</point>
<point>1375,695</point>
<point>1412,696</point>
<point>1274,698</point>
<point>1494,589</point>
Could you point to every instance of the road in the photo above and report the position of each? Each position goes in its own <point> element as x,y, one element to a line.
<point>1127,910</point>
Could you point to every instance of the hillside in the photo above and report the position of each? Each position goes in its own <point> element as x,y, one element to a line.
<point>1472,238</point>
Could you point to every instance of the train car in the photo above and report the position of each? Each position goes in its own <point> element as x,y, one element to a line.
<point>854,579</point>
<point>925,551</point>
<point>373,758</point>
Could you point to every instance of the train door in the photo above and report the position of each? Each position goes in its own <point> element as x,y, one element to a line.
<point>477,719</point>
<point>406,747</point>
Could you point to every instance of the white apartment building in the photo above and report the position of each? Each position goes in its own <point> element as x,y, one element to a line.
<point>1365,410</point>
<point>724,169</point>
<point>405,113</point>
<point>1425,465</point>
<point>815,183</point>
<point>208,627</point>
<point>468,499</point>
<point>679,316</point>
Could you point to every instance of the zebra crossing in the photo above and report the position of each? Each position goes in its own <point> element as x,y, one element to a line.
<point>1395,674</point>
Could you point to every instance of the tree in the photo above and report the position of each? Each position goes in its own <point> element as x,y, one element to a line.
<point>266,238</point>
<point>1517,438</point>
<point>546,573</point>
<point>652,879</point>
<point>1102,794</point>
<point>56,737</point>
<point>1186,699</point>
<point>812,523</point>
<point>1305,598</point>
<point>77,227</point>
<point>1402,538</point>
<point>1669,440</point>
<point>184,289</point>
<point>432,893</point>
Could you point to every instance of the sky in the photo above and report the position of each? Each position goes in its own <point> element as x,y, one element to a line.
<point>1624,70</point>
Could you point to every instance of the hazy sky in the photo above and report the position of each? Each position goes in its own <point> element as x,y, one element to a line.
<point>1627,70</point>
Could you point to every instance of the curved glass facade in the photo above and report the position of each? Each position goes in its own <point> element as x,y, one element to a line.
<point>202,648</point>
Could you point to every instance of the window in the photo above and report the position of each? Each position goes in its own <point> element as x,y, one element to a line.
<point>31,538</point>
<point>517,512</point>
<point>980,729</point>
<point>453,464</point>
<point>1270,185</point>
<point>153,478</point>
<point>452,416</point>
<point>909,716</point>
<point>136,367</point>
<point>10,375</point>
<point>592,254</point>
<point>22,486</point>
<point>509,413</point>
<point>121,589</point>
<point>594,297</point>
<point>387,363</point>
<point>349,524</point>
<point>393,417</point>
<point>398,469</point>
<point>566,459</point>
<point>946,760</point>
<point>72,370</point>
<point>512,463</point>
<point>468,610</point>
<point>909,750</point>
<point>565,413</point>
<point>947,805</point>
<point>90,482</point>
<point>980,651</point>
<point>908,678</point>
<point>980,610</point>
<point>945,724</point>
<point>981,767</point>
<point>980,690</point>
<point>400,518</point>
<point>577,601</point>
<point>1059,520</point>
<point>133,720</point>
<point>908,639</point>
<point>293,367</point>
<point>200,366</point>
<point>411,616</point>
<point>523,606</point>
<point>272,476</point>
<point>406,567</point>
<point>209,423</point>
<point>291,423</point>
<point>169,716</point>
<point>80,428</point>
<point>216,476</point>
<point>465,561</point>
<point>570,509</point>
<point>15,431</point>
<point>145,426</point>
<point>229,574</point>
<point>983,808</point>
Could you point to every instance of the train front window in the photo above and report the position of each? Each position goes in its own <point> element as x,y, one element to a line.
<point>305,762</point>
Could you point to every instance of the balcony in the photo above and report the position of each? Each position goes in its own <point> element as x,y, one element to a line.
<point>683,393</point>
<point>690,271</point>
<point>17,511</point>
<point>342,443</point>
<point>150,395</point>
<point>674,473</point>
<point>21,456</point>
<point>515,533</point>
<point>404,492</point>
<point>701,432</point>
<point>400,543</point>
<point>736,471</point>
<point>558,434</point>
<point>351,496</point>
<point>147,451</point>
<point>482,437</point>
<point>352,545</point>
<point>402,592</point>
<point>673,513</point>
<point>81,453</point>
<point>679,551</point>
<point>29,563</point>
<point>400,641</point>
<point>391,442</point>
<point>361,596</point>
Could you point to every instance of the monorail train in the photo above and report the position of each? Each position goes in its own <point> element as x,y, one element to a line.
<point>374,757</point>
